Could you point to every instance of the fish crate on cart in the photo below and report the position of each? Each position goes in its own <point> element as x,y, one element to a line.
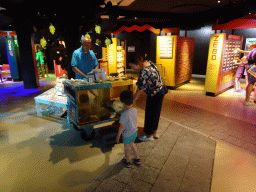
<point>85,104</point>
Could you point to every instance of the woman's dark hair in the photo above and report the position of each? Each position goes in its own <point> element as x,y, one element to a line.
<point>126,97</point>
<point>134,58</point>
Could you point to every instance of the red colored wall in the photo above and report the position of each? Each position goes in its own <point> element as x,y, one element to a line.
<point>184,59</point>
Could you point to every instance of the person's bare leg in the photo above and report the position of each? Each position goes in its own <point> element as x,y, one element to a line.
<point>135,150</point>
<point>249,89</point>
<point>126,152</point>
<point>246,80</point>
<point>237,82</point>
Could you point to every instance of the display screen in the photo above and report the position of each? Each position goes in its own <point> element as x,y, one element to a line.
<point>248,42</point>
<point>110,55</point>
<point>166,47</point>
<point>230,54</point>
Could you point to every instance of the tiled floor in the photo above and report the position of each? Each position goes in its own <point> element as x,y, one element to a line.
<point>234,170</point>
<point>180,160</point>
<point>45,154</point>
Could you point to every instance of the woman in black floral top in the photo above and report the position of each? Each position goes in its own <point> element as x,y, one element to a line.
<point>150,82</point>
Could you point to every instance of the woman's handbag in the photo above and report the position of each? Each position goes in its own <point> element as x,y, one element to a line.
<point>165,89</point>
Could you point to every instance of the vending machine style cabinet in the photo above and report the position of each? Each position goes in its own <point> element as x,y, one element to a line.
<point>175,59</point>
<point>221,68</point>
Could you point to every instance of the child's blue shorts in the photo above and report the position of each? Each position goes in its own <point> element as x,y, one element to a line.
<point>128,140</point>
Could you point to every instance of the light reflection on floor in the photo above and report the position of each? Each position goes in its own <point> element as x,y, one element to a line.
<point>228,103</point>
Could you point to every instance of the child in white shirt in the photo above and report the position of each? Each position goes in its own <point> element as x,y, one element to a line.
<point>128,128</point>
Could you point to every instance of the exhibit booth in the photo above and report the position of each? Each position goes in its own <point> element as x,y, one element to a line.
<point>221,67</point>
<point>9,57</point>
<point>174,54</point>
<point>114,58</point>
<point>174,59</point>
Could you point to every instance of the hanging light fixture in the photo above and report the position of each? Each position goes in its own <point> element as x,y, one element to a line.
<point>52,29</point>
<point>87,35</point>
<point>107,42</point>
<point>43,42</point>
<point>97,29</point>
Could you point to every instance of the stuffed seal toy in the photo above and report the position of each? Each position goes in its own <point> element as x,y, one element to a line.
<point>115,107</point>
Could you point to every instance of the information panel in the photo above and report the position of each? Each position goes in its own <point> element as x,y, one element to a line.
<point>110,55</point>
<point>166,47</point>
<point>248,42</point>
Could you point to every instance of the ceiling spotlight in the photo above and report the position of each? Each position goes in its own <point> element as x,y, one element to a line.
<point>121,17</point>
<point>218,1</point>
<point>135,18</point>
<point>104,17</point>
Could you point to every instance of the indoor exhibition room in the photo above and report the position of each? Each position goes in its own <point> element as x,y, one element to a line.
<point>128,95</point>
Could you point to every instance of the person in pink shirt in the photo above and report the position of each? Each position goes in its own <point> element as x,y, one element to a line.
<point>252,79</point>
<point>241,70</point>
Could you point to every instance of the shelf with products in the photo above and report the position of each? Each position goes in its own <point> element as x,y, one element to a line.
<point>120,60</point>
<point>120,48</point>
<point>116,54</point>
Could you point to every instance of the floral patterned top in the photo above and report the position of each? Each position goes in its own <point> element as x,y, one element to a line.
<point>149,80</point>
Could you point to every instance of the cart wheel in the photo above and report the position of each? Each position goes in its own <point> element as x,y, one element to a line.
<point>85,136</point>
<point>75,127</point>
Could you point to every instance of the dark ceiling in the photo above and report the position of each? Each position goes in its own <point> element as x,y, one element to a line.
<point>184,14</point>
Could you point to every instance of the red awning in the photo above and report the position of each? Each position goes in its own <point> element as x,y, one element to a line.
<point>174,31</point>
<point>3,33</point>
<point>13,33</point>
<point>248,21</point>
<point>137,28</point>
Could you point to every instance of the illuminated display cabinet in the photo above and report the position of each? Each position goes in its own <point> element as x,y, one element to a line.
<point>174,59</point>
<point>115,55</point>
<point>220,72</point>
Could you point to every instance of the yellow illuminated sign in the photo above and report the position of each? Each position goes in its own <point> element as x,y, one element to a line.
<point>214,61</point>
<point>166,58</point>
